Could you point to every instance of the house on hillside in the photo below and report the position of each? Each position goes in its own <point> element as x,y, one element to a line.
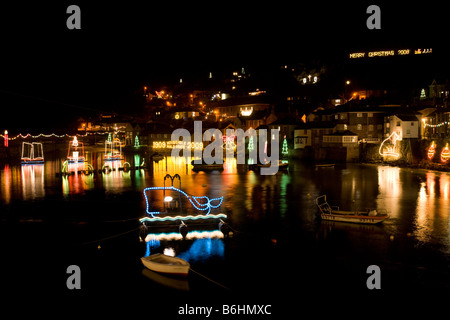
<point>407,126</point>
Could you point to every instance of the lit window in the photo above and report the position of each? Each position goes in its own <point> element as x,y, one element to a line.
<point>359,126</point>
<point>359,115</point>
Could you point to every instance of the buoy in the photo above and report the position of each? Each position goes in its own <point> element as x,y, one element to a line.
<point>183,229</point>
<point>224,228</point>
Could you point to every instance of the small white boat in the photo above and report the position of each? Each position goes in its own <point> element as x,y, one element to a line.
<point>162,263</point>
<point>334,214</point>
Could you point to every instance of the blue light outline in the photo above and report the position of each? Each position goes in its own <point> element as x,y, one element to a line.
<point>197,205</point>
<point>190,217</point>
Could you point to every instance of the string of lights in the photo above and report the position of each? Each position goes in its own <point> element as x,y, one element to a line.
<point>28,135</point>
<point>207,205</point>
<point>435,125</point>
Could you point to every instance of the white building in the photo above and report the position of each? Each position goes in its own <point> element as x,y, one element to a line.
<point>406,126</point>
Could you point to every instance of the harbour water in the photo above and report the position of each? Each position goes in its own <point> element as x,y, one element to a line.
<point>277,251</point>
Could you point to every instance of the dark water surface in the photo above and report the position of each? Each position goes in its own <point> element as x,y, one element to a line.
<point>279,251</point>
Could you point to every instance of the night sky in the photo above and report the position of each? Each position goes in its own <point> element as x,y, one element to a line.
<point>50,75</point>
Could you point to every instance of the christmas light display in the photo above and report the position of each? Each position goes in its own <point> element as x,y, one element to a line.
<point>28,135</point>
<point>5,137</point>
<point>113,150</point>
<point>136,142</point>
<point>75,156</point>
<point>228,143</point>
<point>390,151</point>
<point>435,125</point>
<point>445,154</point>
<point>32,153</point>
<point>431,151</point>
<point>176,145</point>
<point>189,236</point>
<point>188,217</point>
<point>202,203</point>
<point>284,150</point>
<point>251,145</point>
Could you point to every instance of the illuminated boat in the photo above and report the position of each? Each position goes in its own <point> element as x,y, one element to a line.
<point>32,153</point>
<point>162,263</point>
<point>113,150</point>
<point>173,205</point>
<point>76,151</point>
<point>334,214</point>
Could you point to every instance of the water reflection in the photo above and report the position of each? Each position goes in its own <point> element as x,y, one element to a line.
<point>417,200</point>
<point>115,176</point>
<point>389,189</point>
<point>432,210</point>
<point>205,245</point>
<point>5,184</point>
<point>32,181</point>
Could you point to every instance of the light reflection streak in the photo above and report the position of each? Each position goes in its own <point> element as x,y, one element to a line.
<point>32,181</point>
<point>432,213</point>
<point>389,189</point>
<point>6,184</point>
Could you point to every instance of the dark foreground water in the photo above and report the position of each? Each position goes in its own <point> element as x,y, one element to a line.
<point>279,253</point>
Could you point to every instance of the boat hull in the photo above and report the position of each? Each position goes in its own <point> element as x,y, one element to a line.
<point>353,218</point>
<point>166,264</point>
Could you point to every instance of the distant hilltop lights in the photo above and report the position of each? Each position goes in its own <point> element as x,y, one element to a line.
<point>390,53</point>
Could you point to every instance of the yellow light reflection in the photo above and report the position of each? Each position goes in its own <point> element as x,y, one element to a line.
<point>389,189</point>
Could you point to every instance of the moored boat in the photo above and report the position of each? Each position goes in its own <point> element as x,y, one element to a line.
<point>325,165</point>
<point>205,166</point>
<point>157,156</point>
<point>162,263</point>
<point>334,214</point>
<point>282,165</point>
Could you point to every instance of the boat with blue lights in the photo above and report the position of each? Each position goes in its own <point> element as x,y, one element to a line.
<point>179,206</point>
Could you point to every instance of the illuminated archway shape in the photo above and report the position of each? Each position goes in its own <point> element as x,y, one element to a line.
<point>445,154</point>
<point>431,150</point>
<point>389,151</point>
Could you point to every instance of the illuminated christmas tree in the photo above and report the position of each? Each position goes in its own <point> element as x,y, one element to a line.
<point>250,144</point>
<point>422,94</point>
<point>284,149</point>
<point>136,142</point>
